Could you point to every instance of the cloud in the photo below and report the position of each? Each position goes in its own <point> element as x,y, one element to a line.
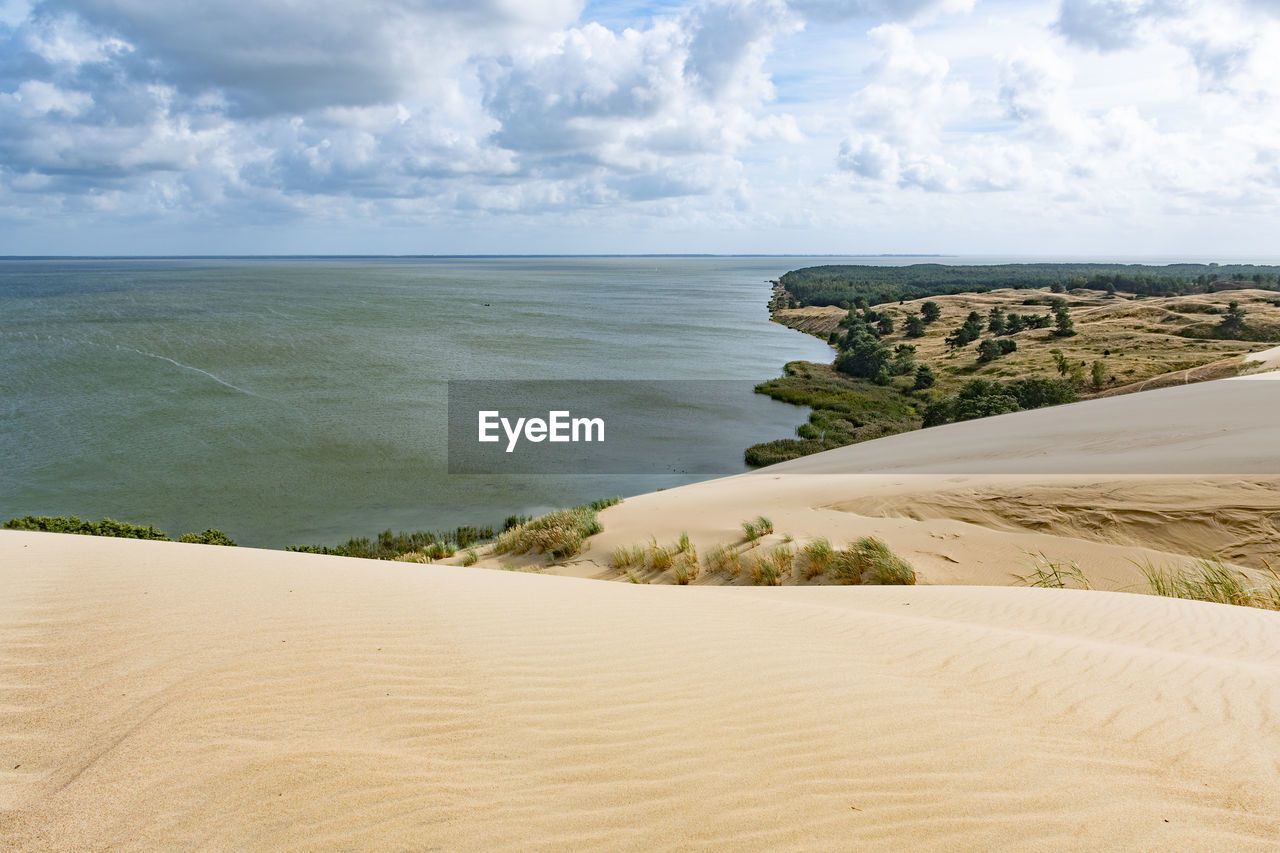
<point>1105,24</point>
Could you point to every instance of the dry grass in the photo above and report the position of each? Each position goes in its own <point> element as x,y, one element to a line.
<point>684,568</point>
<point>769,568</point>
<point>1213,580</point>
<point>1047,574</point>
<point>626,558</point>
<point>558,534</point>
<point>870,561</point>
<point>470,557</point>
<point>658,558</point>
<point>723,559</point>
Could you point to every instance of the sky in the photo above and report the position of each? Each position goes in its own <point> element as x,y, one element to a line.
<point>1107,128</point>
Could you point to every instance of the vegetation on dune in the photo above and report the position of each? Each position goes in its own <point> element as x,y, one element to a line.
<point>112,528</point>
<point>875,285</point>
<point>558,534</point>
<point>1213,580</point>
<point>870,561</point>
<point>390,546</point>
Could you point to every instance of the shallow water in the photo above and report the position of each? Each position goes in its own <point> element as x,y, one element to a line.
<point>302,400</point>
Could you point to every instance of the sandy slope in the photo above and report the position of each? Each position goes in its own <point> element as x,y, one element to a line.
<point>167,696</point>
<point>1111,484</point>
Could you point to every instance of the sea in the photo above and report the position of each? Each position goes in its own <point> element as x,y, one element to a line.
<point>302,400</point>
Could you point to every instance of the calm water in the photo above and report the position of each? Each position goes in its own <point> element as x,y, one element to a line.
<point>302,400</point>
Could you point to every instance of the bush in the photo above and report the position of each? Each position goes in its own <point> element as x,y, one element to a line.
<point>870,561</point>
<point>208,536</point>
<point>72,524</point>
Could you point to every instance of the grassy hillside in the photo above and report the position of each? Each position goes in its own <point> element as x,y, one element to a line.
<point>1120,343</point>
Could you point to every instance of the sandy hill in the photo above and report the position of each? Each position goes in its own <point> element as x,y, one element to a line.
<point>1140,340</point>
<point>170,696</point>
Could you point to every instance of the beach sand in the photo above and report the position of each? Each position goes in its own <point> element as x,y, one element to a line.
<point>169,696</point>
<point>160,695</point>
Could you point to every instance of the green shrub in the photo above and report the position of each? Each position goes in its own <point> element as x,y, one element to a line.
<point>870,561</point>
<point>72,524</point>
<point>208,537</point>
<point>470,557</point>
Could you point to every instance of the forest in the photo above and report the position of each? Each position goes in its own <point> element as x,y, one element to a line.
<point>842,285</point>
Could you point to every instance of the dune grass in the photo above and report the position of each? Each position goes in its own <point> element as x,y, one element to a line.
<point>470,557</point>
<point>624,558</point>
<point>1215,581</point>
<point>870,561</point>
<point>816,558</point>
<point>1048,574</point>
<point>659,558</point>
<point>769,568</point>
<point>757,527</point>
<point>723,559</point>
<point>558,534</point>
<point>684,568</point>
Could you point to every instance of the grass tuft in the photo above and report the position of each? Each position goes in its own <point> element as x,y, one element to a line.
<point>769,568</point>
<point>1047,574</point>
<point>625,558</point>
<point>757,527</point>
<point>685,567</point>
<point>1213,580</point>
<point>470,557</point>
<point>870,561</point>
<point>723,558</point>
<point>816,558</point>
<point>558,534</point>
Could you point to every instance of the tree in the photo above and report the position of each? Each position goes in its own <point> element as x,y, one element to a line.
<point>885,326</point>
<point>864,357</point>
<point>988,350</point>
<point>1233,321</point>
<point>904,359</point>
<point>1057,287</point>
<point>1014,324</point>
<point>915,326</point>
<point>930,311</point>
<point>1060,361</point>
<point>1065,326</point>
<point>1099,373</point>
<point>924,378</point>
<point>995,321</point>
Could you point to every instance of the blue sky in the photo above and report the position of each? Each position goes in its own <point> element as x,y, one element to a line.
<point>1064,127</point>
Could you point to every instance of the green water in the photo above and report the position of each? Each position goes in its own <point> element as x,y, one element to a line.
<point>302,400</point>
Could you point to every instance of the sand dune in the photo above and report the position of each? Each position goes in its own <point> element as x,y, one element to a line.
<point>1112,484</point>
<point>159,695</point>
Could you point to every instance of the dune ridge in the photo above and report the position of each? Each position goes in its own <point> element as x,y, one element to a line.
<point>171,695</point>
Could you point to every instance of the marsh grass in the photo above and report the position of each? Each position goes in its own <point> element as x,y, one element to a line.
<point>1048,574</point>
<point>723,558</point>
<point>870,561</point>
<point>1213,580</point>
<point>816,558</point>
